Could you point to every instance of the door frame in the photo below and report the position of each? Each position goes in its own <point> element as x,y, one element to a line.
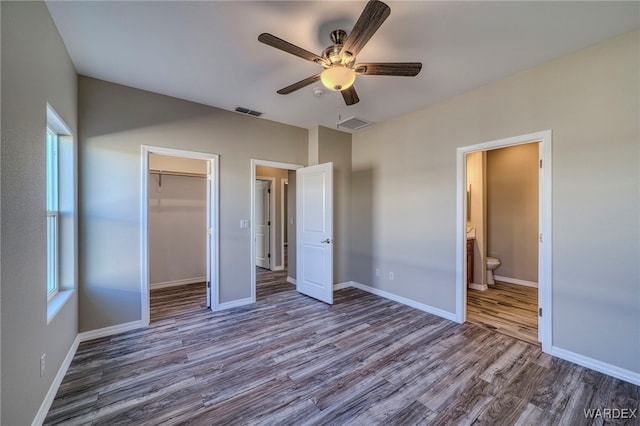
<point>272,214</point>
<point>544,138</point>
<point>254,164</point>
<point>213,261</point>
<point>284,220</point>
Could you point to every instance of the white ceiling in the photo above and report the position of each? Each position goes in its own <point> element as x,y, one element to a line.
<point>208,52</point>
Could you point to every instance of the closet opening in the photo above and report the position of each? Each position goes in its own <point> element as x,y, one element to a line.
<point>180,232</point>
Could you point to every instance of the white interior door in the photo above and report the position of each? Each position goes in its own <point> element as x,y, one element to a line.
<point>262,223</point>
<point>314,248</point>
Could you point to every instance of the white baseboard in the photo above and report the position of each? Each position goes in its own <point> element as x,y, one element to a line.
<point>340,286</point>
<point>234,304</point>
<point>291,280</point>
<point>110,331</point>
<point>417,305</point>
<point>477,286</point>
<point>516,281</point>
<point>176,283</point>
<point>55,385</point>
<point>594,364</point>
<point>81,337</point>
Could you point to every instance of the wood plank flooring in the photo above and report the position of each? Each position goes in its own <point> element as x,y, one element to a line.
<point>506,308</point>
<point>291,360</point>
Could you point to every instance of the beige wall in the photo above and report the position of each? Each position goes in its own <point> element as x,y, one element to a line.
<point>36,70</point>
<point>168,163</point>
<point>512,210</point>
<point>177,229</point>
<point>114,122</point>
<point>278,175</point>
<point>329,145</point>
<point>404,193</point>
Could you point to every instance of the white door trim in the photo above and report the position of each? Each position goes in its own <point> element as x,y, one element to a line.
<point>272,215</point>
<point>254,164</point>
<point>544,225</point>
<point>213,161</point>
<point>284,217</point>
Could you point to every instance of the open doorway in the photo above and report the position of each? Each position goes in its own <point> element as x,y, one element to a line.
<point>502,239</point>
<point>280,179</point>
<point>474,273</point>
<point>179,241</point>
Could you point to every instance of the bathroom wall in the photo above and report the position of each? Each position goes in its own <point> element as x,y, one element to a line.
<point>476,218</point>
<point>512,211</point>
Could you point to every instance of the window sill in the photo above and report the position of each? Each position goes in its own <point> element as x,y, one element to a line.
<point>55,305</point>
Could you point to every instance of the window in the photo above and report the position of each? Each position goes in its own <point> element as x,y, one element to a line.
<point>53,226</point>
<point>61,217</point>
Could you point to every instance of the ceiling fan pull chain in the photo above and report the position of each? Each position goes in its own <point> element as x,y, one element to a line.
<point>338,110</point>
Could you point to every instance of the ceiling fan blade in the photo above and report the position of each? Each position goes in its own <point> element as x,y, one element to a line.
<point>285,46</point>
<point>299,85</point>
<point>373,15</point>
<point>350,96</point>
<point>406,69</point>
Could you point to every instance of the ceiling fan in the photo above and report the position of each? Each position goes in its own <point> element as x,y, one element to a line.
<point>338,60</point>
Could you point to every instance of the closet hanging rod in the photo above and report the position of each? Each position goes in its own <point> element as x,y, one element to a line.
<point>170,173</point>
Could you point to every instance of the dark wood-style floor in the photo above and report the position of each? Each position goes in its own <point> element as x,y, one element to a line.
<point>507,308</point>
<point>291,360</point>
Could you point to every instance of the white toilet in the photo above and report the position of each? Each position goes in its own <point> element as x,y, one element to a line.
<point>492,265</point>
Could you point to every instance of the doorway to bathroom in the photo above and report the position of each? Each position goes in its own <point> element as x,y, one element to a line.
<point>503,222</point>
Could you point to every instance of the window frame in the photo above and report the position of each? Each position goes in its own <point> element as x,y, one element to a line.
<point>61,205</point>
<point>53,214</point>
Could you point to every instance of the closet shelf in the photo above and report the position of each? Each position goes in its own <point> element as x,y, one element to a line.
<point>171,173</point>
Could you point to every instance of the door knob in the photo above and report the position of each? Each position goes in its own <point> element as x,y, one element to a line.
<point>327,241</point>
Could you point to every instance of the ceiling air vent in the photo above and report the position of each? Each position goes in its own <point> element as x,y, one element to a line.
<point>248,111</point>
<point>354,123</point>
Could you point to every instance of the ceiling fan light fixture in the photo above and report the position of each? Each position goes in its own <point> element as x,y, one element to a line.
<point>338,77</point>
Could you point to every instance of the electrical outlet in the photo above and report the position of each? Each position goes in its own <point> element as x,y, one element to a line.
<point>377,272</point>
<point>391,276</point>
<point>42,363</point>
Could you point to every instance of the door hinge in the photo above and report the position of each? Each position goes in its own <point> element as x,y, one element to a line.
<point>269,255</point>
<point>269,223</point>
<point>540,312</point>
<point>268,191</point>
<point>540,163</point>
<point>540,237</point>
<point>208,231</point>
<point>208,284</point>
